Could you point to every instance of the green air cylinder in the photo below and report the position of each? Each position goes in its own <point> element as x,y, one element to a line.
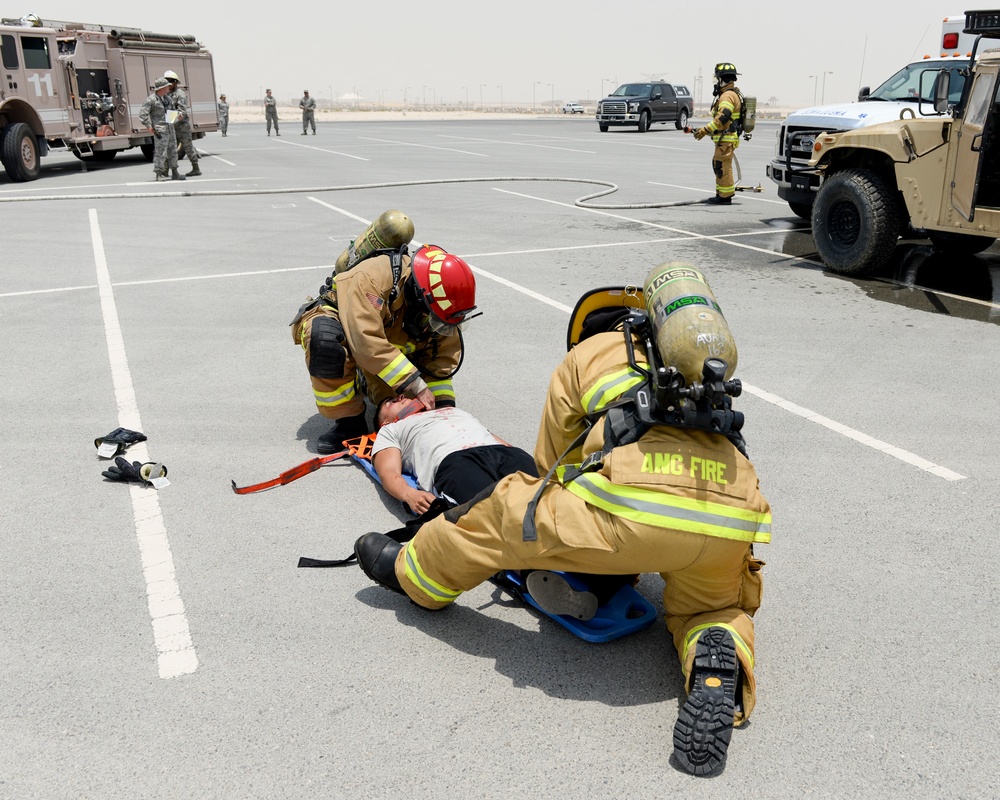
<point>391,230</point>
<point>687,320</point>
<point>749,114</point>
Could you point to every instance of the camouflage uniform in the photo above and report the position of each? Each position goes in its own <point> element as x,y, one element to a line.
<point>182,126</point>
<point>271,114</point>
<point>308,106</point>
<point>154,115</point>
<point>223,116</point>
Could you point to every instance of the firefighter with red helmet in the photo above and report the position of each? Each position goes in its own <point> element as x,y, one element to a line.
<point>724,130</point>
<point>389,325</point>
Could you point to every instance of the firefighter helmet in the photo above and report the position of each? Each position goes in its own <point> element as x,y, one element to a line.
<point>725,72</point>
<point>444,289</point>
<point>170,75</point>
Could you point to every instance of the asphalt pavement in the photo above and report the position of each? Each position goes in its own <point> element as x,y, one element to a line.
<point>164,644</point>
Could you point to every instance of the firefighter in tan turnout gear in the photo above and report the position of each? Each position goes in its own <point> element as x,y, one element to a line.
<point>385,324</point>
<point>724,129</point>
<point>647,473</point>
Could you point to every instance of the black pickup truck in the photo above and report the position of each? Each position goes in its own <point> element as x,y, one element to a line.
<point>642,104</point>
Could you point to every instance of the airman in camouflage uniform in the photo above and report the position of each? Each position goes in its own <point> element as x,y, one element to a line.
<point>271,113</point>
<point>182,127</point>
<point>153,115</point>
<point>308,106</point>
<point>223,114</point>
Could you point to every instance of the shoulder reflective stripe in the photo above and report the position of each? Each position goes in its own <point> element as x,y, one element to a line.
<point>610,388</point>
<point>664,510</point>
<point>343,394</point>
<point>435,591</point>
<point>726,104</point>
<point>695,633</point>
<point>397,368</point>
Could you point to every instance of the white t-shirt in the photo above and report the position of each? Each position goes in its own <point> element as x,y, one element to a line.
<point>425,439</point>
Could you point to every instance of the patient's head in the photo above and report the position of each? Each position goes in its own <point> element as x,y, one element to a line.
<point>389,410</point>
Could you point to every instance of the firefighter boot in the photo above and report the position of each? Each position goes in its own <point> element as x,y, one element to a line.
<point>554,595</point>
<point>176,176</point>
<point>376,554</point>
<point>705,724</point>
<point>346,428</point>
<point>195,170</point>
<point>720,201</point>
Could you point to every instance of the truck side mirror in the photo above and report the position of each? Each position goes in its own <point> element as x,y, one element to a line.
<point>864,93</point>
<point>942,84</point>
<point>657,95</point>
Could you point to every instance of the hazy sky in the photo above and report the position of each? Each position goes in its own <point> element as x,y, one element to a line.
<point>446,51</point>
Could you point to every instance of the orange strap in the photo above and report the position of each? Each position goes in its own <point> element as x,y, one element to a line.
<point>359,448</point>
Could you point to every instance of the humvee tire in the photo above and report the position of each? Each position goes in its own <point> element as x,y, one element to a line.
<point>855,221</point>
<point>19,153</point>
<point>603,127</point>
<point>961,243</point>
<point>644,122</point>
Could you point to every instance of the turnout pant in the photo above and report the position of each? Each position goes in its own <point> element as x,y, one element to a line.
<point>722,165</point>
<point>710,581</point>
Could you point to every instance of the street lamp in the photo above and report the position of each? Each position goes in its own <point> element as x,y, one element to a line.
<point>815,82</point>
<point>823,96</point>
<point>423,102</point>
<point>405,90</point>
<point>466,96</point>
<point>481,86</point>
<point>536,83</point>
<point>500,87</point>
<point>552,104</point>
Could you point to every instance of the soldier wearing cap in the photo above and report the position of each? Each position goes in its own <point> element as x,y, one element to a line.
<point>271,113</point>
<point>223,114</point>
<point>308,106</point>
<point>182,125</point>
<point>154,116</point>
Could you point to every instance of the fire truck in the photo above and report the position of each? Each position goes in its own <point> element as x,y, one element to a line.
<point>80,87</point>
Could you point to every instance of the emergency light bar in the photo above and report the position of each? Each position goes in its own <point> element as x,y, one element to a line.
<point>983,23</point>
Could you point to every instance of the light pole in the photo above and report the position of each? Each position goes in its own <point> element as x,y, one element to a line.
<point>331,95</point>
<point>500,87</point>
<point>536,83</point>
<point>355,96</point>
<point>405,90</point>
<point>823,96</point>
<point>423,101</point>
<point>481,86</point>
<point>466,96</point>
<point>552,98</point>
<point>815,83</point>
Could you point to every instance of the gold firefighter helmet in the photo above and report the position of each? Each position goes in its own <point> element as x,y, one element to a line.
<point>600,310</point>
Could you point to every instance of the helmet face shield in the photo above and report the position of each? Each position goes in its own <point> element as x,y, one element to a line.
<point>444,289</point>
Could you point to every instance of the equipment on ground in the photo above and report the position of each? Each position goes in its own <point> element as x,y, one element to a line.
<point>80,86</point>
<point>115,443</point>
<point>135,472</point>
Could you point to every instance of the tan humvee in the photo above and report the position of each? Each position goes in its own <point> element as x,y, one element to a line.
<point>81,86</point>
<point>939,175</point>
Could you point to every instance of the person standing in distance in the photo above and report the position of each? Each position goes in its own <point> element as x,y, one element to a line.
<point>223,114</point>
<point>308,106</point>
<point>271,112</point>
<point>725,132</point>
<point>153,115</point>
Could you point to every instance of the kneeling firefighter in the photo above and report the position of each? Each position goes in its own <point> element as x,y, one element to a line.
<point>383,325</point>
<point>647,472</point>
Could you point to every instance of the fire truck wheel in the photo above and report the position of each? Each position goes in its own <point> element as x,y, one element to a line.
<point>855,221</point>
<point>148,150</point>
<point>19,152</point>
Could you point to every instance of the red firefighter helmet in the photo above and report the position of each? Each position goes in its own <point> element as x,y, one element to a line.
<point>447,288</point>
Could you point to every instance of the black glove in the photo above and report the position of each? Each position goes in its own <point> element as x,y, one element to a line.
<point>121,438</point>
<point>135,472</point>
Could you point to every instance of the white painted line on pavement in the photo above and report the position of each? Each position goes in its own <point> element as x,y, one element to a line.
<point>424,146</point>
<point>171,635</point>
<point>740,195</point>
<point>321,149</point>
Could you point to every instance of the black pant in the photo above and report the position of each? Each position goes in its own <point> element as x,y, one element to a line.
<point>464,474</point>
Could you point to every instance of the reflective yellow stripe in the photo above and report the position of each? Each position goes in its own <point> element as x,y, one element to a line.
<point>342,394</point>
<point>610,388</point>
<point>664,510</point>
<point>435,591</point>
<point>406,347</point>
<point>399,367</point>
<point>695,633</point>
<point>441,388</point>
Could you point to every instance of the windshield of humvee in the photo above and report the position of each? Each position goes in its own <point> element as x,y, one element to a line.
<point>916,82</point>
